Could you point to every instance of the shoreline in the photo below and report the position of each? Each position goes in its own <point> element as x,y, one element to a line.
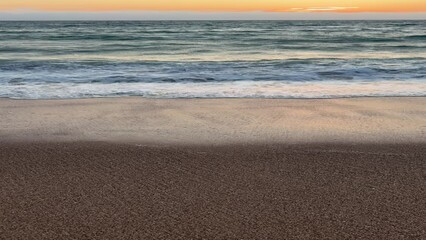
<point>210,98</point>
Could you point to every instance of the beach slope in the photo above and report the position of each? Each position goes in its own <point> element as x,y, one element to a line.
<point>134,168</point>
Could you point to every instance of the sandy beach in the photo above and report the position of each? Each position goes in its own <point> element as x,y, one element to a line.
<point>135,168</point>
<point>215,121</point>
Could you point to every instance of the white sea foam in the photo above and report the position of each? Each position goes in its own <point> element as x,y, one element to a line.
<point>243,89</point>
<point>277,59</point>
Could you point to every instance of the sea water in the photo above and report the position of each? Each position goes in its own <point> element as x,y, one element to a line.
<point>212,59</point>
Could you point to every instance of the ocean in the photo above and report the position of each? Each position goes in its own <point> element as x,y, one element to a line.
<point>212,59</point>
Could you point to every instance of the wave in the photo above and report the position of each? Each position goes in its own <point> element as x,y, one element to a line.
<point>417,37</point>
<point>156,71</point>
<point>212,59</point>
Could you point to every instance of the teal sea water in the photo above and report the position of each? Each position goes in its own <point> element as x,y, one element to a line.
<point>212,59</point>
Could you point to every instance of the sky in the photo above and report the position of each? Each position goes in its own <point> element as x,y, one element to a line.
<point>211,9</point>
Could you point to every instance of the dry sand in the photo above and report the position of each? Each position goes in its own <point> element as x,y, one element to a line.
<point>120,191</point>
<point>134,168</point>
<point>215,121</point>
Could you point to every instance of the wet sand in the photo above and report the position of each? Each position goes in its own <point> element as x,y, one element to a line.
<point>215,121</point>
<point>133,168</point>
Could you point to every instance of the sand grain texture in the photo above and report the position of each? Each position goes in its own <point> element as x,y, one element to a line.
<point>134,168</point>
<point>118,191</point>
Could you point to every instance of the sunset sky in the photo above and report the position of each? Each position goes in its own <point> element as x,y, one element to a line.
<point>212,9</point>
<point>218,5</point>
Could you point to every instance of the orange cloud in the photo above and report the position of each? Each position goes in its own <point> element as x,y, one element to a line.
<point>220,5</point>
<point>323,9</point>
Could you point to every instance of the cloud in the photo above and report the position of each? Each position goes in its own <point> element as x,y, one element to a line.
<point>322,9</point>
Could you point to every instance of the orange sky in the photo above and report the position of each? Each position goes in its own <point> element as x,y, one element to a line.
<point>220,5</point>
